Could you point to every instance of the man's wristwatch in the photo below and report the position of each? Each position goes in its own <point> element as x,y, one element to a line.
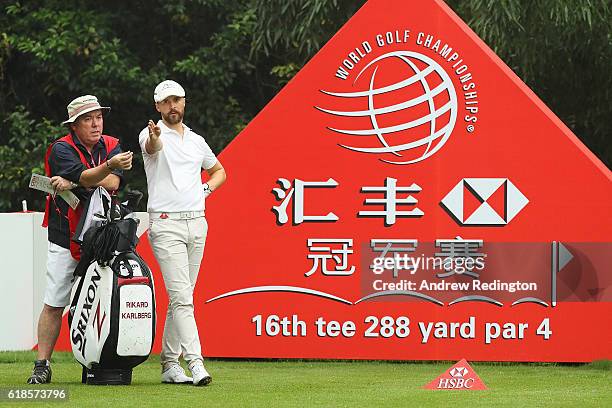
<point>207,188</point>
<point>73,185</point>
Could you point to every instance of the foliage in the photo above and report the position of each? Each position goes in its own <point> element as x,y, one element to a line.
<point>23,155</point>
<point>237,54</point>
<point>562,49</point>
<point>298,28</point>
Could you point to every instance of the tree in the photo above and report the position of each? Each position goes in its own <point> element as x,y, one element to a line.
<point>237,54</point>
<point>52,51</point>
<point>562,49</point>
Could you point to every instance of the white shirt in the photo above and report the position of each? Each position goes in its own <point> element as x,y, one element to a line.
<point>173,174</point>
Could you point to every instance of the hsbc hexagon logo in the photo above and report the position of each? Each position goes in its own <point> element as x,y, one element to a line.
<point>458,372</point>
<point>484,201</point>
<point>460,376</point>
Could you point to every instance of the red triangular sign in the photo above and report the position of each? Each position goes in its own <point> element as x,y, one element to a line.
<point>461,376</point>
<point>374,141</point>
<point>370,145</point>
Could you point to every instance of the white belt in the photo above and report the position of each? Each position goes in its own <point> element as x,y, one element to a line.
<point>183,215</point>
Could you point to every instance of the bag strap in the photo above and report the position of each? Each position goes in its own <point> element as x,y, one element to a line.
<point>117,266</point>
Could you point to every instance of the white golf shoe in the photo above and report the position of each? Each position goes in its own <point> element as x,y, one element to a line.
<point>175,375</point>
<point>199,373</point>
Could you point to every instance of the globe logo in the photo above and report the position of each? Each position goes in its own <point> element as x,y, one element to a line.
<point>405,113</point>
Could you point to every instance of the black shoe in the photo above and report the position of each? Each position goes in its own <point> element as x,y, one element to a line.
<point>41,374</point>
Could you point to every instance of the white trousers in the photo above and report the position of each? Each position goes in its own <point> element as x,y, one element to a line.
<point>178,245</point>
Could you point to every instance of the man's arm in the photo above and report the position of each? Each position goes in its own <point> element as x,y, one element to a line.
<point>217,176</point>
<point>67,169</point>
<point>110,183</point>
<point>101,175</point>
<point>153,143</point>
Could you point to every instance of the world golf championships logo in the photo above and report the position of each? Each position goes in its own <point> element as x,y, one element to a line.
<point>408,108</point>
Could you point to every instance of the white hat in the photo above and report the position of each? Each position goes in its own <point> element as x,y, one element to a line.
<point>82,105</point>
<point>168,88</point>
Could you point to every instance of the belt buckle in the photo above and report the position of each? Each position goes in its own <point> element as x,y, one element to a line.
<point>185,215</point>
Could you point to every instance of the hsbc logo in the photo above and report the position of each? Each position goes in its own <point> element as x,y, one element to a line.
<point>484,201</point>
<point>457,380</point>
<point>458,372</point>
<point>455,383</point>
<point>460,376</point>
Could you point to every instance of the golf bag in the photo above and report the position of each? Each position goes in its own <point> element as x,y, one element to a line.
<point>112,313</point>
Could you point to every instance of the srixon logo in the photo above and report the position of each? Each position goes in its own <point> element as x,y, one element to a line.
<point>461,376</point>
<point>78,335</point>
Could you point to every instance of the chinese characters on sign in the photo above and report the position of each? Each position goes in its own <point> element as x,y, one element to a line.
<point>393,262</point>
<point>330,256</point>
<point>390,201</point>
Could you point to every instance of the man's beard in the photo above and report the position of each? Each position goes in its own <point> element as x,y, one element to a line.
<point>173,119</point>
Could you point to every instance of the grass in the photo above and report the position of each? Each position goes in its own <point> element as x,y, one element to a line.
<point>239,383</point>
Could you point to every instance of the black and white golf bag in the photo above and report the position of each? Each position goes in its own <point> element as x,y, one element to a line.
<point>112,313</point>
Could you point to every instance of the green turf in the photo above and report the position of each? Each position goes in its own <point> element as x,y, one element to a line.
<point>326,384</point>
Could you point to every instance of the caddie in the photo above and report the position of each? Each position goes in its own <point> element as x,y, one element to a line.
<point>79,161</point>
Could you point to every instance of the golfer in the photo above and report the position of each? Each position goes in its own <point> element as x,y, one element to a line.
<point>174,156</point>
